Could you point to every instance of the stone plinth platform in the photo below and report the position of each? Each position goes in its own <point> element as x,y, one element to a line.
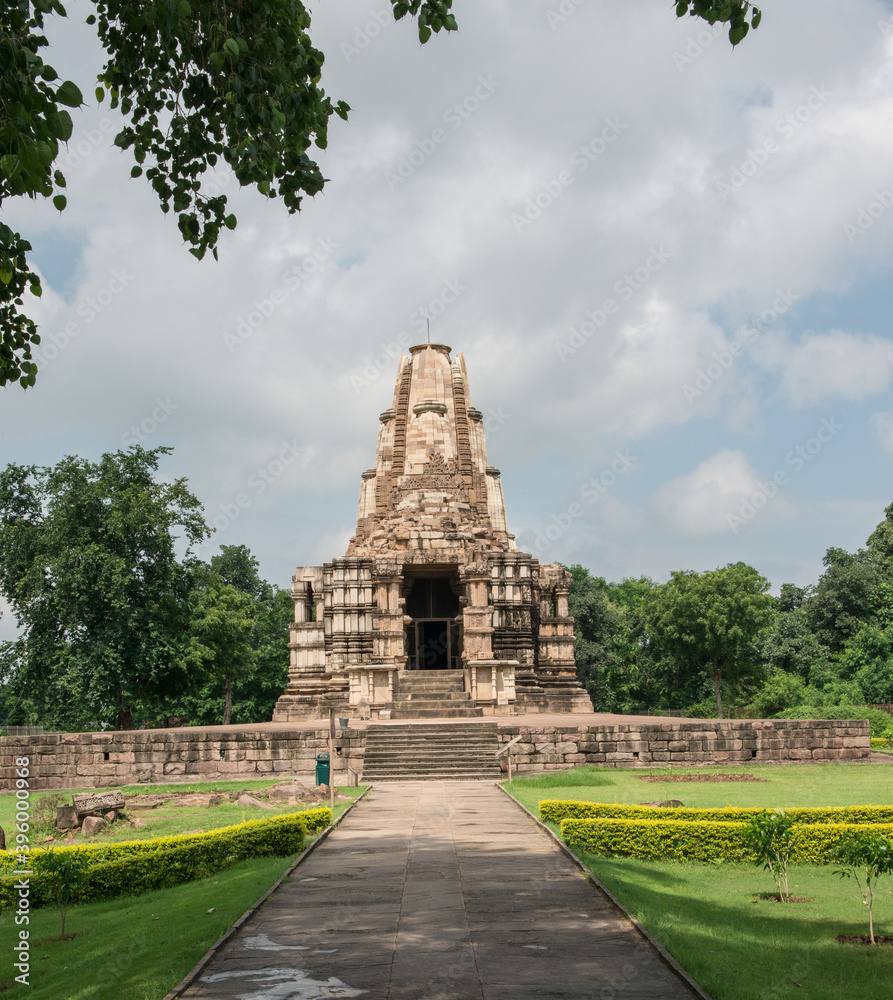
<point>273,750</point>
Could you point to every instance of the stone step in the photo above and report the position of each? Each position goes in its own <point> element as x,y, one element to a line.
<point>437,713</point>
<point>452,750</point>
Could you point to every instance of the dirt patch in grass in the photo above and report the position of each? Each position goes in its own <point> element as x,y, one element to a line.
<point>699,777</point>
<point>864,939</point>
<point>773,897</point>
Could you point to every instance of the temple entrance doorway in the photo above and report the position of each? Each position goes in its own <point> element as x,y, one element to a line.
<point>434,636</point>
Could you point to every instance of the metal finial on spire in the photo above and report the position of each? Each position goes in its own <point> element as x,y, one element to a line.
<point>428,321</point>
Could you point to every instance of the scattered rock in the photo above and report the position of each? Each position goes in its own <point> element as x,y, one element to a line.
<point>216,800</point>
<point>287,791</point>
<point>198,799</point>
<point>2,839</point>
<point>666,804</point>
<point>66,818</point>
<point>111,816</point>
<point>245,799</point>
<point>49,840</point>
<point>93,825</point>
<point>138,823</point>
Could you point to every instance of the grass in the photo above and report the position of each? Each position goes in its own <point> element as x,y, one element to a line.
<point>711,917</point>
<point>138,947</point>
<point>168,818</point>
<point>738,949</point>
<point>783,785</point>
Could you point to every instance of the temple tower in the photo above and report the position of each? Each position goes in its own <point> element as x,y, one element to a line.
<point>433,579</point>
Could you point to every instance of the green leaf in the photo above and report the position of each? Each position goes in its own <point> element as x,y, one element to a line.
<point>59,178</point>
<point>230,222</point>
<point>232,46</point>
<point>737,32</point>
<point>424,34</point>
<point>136,171</point>
<point>5,276</point>
<point>10,165</point>
<point>100,94</point>
<point>60,201</point>
<point>682,8</point>
<point>756,17</point>
<point>60,124</point>
<point>70,95</point>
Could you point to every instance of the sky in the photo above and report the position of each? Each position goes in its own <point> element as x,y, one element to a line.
<point>668,263</point>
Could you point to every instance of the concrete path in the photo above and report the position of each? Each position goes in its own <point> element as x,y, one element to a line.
<point>437,890</point>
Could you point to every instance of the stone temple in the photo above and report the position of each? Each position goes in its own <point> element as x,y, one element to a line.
<point>433,611</point>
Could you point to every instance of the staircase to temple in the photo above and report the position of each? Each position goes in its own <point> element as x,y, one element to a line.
<point>428,750</point>
<point>433,694</point>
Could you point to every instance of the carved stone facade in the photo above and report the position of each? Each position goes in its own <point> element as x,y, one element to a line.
<point>432,580</point>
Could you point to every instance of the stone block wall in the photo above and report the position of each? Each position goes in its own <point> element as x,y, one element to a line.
<point>730,741</point>
<point>149,756</point>
<point>97,760</point>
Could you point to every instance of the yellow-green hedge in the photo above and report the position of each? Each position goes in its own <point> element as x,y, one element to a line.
<point>881,743</point>
<point>556,810</point>
<point>133,867</point>
<point>700,840</point>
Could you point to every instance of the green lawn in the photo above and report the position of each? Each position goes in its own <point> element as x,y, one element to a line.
<point>168,818</point>
<point>711,917</point>
<point>783,785</point>
<point>140,947</point>
<point>135,947</point>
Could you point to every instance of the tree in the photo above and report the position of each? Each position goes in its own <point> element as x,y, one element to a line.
<point>769,838</point>
<point>710,621</point>
<point>870,855</point>
<point>610,641</point>
<point>67,871</point>
<point>220,630</point>
<point>880,541</point>
<point>237,651</point>
<point>198,81</point>
<point>789,644</point>
<point>88,564</point>
<point>845,596</point>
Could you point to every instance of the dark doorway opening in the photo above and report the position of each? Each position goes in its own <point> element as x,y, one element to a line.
<point>433,638</point>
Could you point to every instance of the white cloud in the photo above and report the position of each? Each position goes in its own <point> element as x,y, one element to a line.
<point>722,486</point>
<point>836,363</point>
<point>655,185</point>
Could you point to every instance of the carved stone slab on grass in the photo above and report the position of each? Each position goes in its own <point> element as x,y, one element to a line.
<point>97,802</point>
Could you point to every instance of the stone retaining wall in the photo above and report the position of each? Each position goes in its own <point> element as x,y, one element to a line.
<point>713,741</point>
<point>149,756</point>
<point>97,760</point>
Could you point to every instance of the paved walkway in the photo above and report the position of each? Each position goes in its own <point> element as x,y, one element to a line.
<point>437,890</point>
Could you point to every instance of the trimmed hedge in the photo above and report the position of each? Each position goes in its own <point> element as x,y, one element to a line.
<point>700,840</point>
<point>136,866</point>
<point>556,810</point>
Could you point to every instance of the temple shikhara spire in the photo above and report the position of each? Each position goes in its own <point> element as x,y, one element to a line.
<point>433,610</point>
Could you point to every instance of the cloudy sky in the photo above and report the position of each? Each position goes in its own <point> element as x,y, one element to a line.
<point>668,264</point>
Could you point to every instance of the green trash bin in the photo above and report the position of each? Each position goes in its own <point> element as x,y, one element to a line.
<point>322,769</point>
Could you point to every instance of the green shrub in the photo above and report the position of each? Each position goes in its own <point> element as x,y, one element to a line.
<point>701,840</point>
<point>136,866</point>
<point>555,810</point>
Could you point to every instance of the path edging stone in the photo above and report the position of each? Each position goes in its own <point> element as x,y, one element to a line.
<point>652,942</point>
<point>199,967</point>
